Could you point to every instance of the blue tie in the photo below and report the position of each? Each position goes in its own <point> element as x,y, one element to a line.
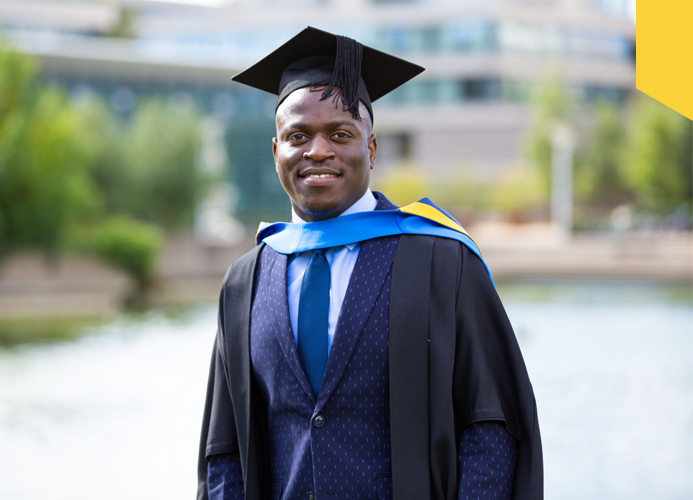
<point>313,308</point>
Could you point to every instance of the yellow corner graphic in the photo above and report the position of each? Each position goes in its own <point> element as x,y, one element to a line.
<point>664,41</point>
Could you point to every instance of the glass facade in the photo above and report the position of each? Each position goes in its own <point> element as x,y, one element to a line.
<point>249,114</point>
<point>488,90</point>
<point>480,35</point>
<point>249,147</point>
<point>458,35</point>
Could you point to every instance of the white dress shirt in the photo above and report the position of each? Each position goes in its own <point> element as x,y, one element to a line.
<point>342,261</point>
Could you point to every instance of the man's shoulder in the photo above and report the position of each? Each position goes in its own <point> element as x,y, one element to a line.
<point>240,272</point>
<point>444,246</point>
<point>450,253</point>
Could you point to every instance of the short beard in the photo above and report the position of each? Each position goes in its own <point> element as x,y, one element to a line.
<point>314,213</point>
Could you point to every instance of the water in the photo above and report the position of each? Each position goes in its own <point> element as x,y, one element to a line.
<point>115,414</point>
<point>612,370</point>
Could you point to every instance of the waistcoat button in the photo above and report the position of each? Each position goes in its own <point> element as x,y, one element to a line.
<point>319,420</point>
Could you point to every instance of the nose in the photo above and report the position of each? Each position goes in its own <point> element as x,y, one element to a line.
<point>319,149</point>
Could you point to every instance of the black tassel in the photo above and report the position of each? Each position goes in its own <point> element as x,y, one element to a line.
<point>346,75</point>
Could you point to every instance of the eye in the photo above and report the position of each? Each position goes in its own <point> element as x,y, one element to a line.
<point>297,136</point>
<point>342,135</point>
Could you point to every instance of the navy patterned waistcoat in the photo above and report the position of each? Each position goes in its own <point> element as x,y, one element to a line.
<point>337,447</point>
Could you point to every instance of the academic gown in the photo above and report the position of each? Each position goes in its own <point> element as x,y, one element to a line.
<point>453,361</point>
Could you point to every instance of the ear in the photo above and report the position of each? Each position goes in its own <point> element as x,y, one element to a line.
<point>372,149</point>
<point>274,149</point>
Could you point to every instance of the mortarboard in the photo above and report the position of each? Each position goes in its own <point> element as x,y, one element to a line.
<point>316,58</point>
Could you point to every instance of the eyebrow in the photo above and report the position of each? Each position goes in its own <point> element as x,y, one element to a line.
<point>330,125</point>
<point>341,124</point>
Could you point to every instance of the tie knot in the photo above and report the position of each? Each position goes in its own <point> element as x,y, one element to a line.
<point>319,251</point>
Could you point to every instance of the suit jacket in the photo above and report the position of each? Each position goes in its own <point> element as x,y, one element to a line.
<point>453,361</point>
<point>338,443</point>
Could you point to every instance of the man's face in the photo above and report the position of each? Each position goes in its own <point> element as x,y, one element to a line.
<point>322,154</point>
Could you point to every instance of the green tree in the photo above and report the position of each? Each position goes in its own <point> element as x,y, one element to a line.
<point>131,245</point>
<point>599,178</point>
<point>44,176</point>
<point>160,151</point>
<point>102,136</point>
<point>658,162</point>
<point>146,168</point>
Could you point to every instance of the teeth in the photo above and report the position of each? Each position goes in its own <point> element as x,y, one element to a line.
<point>321,176</point>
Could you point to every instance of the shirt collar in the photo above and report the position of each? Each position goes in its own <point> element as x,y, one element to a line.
<point>366,203</point>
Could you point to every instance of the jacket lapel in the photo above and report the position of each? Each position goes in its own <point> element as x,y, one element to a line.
<point>358,303</point>
<point>367,279</point>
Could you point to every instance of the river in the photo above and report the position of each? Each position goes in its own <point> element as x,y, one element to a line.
<point>114,413</point>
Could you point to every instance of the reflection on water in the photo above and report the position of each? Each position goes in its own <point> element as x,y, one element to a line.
<point>115,414</point>
<point>611,365</point>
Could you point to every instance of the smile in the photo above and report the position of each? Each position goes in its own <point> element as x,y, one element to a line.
<point>321,179</point>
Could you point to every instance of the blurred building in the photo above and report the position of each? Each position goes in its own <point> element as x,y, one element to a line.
<point>470,107</point>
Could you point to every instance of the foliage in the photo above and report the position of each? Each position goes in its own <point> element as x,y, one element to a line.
<point>403,184</point>
<point>462,189</point>
<point>658,164</point>
<point>100,138</point>
<point>42,329</point>
<point>160,151</point>
<point>146,171</point>
<point>517,190</point>
<point>552,104</point>
<point>599,178</point>
<point>16,77</point>
<point>129,244</point>
<point>65,166</point>
<point>643,158</point>
<point>44,171</point>
<point>124,27</point>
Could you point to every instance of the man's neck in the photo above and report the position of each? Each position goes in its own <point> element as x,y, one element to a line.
<point>366,203</point>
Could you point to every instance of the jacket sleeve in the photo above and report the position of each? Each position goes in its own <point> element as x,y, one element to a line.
<point>487,458</point>
<point>224,477</point>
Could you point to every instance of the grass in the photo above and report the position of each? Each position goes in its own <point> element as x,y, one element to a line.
<point>15,331</point>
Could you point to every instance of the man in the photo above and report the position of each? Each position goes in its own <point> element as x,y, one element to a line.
<point>362,351</point>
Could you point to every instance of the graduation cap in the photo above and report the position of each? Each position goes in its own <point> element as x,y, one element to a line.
<point>347,69</point>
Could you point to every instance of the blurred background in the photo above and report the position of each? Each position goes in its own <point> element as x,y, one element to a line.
<point>133,172</point>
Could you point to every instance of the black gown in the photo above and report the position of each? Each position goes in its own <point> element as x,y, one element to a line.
<point>453,359</point>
